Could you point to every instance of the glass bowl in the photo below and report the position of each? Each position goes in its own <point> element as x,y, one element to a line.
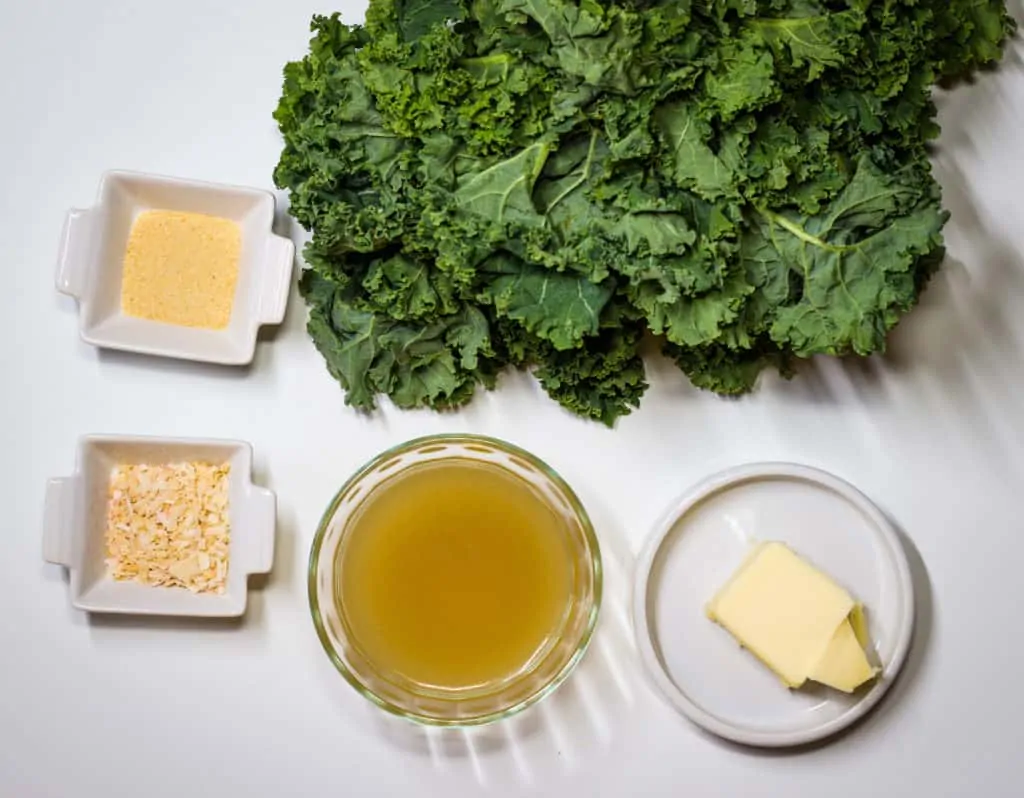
<point>479,704</point>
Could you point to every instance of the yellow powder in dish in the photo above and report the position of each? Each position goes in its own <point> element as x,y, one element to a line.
<point>181,268</point>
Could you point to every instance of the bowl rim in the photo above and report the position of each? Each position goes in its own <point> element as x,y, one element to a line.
<point>595,560</point>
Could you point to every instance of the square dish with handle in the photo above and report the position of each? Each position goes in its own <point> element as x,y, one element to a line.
<point>91,264</point>
<point>74,526</point>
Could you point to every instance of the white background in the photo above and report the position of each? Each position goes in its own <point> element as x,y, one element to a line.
<point>125,707</point>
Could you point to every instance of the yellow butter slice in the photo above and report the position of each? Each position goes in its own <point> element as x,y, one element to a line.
<point>844,665</point>
<point>860,626</point>
<point>794,618</point>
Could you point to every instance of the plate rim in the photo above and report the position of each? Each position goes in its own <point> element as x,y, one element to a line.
<point>643,634</point>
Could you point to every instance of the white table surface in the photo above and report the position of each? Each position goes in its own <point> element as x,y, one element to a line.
<point>125,707</point>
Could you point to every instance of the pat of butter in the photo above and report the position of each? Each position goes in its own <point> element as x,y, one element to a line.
<point>795,619</point>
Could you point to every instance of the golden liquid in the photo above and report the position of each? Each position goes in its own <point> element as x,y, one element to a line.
<point>454,574</point>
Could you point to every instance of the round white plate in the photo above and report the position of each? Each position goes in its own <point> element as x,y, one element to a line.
<point>698,545</point>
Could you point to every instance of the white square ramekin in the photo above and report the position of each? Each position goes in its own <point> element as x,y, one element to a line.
<point>91,264</point>
<point>75,518</point>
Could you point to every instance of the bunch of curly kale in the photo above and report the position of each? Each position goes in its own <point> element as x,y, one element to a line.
<point>542,182</point>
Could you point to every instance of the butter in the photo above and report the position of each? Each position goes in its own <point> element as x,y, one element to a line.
<point>844,665</point>
<point>795,619</point>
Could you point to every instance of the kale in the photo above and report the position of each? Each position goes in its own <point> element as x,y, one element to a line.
<point>541,183</point>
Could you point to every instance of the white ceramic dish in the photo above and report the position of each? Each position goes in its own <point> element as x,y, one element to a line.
<point>90,266</point>
<point>697,666</point>
<point>74,526</point>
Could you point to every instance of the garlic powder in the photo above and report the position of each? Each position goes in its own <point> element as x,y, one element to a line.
<point>181,268</point>
<point>169,525</point>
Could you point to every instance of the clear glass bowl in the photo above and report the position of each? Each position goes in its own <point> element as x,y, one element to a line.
<point>481,703</point>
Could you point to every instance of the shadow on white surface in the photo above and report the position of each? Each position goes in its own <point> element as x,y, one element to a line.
<point>954,347</point>
<point>255,616</point>
<point>954,352</point>
<point>171,368</point>
<point>664,376</point>
<point>560,733</point>
<point>921,644</point>
<point>100,623</point>
<point>286,548</point>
